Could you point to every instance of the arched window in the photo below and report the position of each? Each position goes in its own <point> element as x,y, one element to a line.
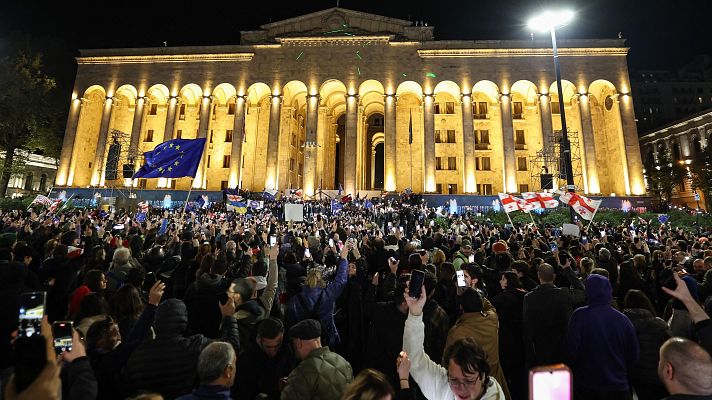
<point>28,182</point>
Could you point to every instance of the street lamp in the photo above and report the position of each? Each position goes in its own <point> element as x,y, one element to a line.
<point>549,21</point>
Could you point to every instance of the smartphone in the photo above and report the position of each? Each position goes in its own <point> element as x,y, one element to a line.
<point>461,278</point>
<point>307,253</point>
<point>584,240</point>
<point>331,242</point>
<point>272,240</point>
<point>32,309</point>
<point>401,229</point>
<point>471,258</point>
<point>417,277</point>
<point>553,382</point>
<point>317,233</point>
<point>62,332</point>
<point>554,247</point>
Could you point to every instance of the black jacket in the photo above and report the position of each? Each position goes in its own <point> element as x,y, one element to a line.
<point>78,381</point>
<point>385,340</point>
<point>168,364</point>
<point>652,332</point>
<point>545,320</point>
<point>201,300</point>
<point>510,307</point>
<point>257,373</point>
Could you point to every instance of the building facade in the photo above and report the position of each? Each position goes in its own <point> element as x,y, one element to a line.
<point>684,140</point>
<point>34,177</point>
<point>662,97</point>
<point>341,97</point>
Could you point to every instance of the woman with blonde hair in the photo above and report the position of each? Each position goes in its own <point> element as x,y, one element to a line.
<point>369,384</point>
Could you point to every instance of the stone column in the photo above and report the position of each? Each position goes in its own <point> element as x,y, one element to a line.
<point>373,168</point>
<point>311,145</point>
<point>546,125</point>
<point>205,106</point>
<point>389,145</point>
<point>468,144</point>
<point>685,146</point>
<point>350,144</point>
<point>589,144</point>
<point>137,124</point>
<point>275,112</point>
<point>429,142</point>
<point>238,138</point>
<point>510,170</point>
<point>632,147</point>
<point>97,166</point>
<point>70,135</point>
<point>171,108</point>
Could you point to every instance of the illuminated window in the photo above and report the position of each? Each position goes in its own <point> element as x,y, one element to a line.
<point>452,163</point>
<point>228,135</point>
<point>518,110</point>
<point>484,189</point>
<point>523,188</point>
<point>521,163</point>
<point>181,113</point>
<point>449,107</point>
<point>153,110</point>
<point>149,136</point>
<point>451,136</point>
<point>231,109</point>
<point>226,161</point>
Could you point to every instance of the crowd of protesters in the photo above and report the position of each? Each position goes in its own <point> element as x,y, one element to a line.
<point>212,304</point>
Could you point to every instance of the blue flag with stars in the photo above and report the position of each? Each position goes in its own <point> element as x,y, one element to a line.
<point>172,159</point>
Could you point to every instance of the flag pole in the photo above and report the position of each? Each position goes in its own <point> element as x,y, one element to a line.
<point>592,217</point>
<point>532,217</point>
<point>509,218</point>
<point>188,197</point>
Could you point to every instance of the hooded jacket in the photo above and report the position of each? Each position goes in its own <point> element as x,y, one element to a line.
<point>652,333</point>
<point>168,364</point>
<point>602,342</point>
<point>201,301</point>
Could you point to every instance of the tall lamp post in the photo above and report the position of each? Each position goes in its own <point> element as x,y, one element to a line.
<point>549,21</point>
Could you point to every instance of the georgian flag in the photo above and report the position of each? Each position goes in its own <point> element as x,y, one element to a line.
<point>511,203</point>
<point>54,206</point>
<point>583,206</point>
<point>143,206</point>
<point>540,200</point>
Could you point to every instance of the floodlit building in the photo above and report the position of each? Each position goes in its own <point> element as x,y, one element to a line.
<point>340,97</point>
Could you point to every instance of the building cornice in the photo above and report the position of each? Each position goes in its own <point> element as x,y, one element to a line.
<point>527,52</point>
<point>166,58</point>
<point>335,40</point>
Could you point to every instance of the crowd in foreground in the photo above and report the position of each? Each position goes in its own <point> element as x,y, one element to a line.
<point>211,304</point>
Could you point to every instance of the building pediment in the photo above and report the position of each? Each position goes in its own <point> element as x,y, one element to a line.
<point>337,22</point>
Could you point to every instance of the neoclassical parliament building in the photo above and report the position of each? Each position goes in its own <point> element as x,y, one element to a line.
<point>340,97</point>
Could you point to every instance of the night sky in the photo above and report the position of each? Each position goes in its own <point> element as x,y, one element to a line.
<point>661,34</point>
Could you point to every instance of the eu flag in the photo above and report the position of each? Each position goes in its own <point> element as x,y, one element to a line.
<point>172,159</point>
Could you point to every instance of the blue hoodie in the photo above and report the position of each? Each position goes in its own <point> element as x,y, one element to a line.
<point>602,342</point>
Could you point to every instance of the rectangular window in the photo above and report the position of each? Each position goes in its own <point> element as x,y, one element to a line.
<point>211,136</point>
<point>142,183</point>
<point>452,188</point>
<point>149,136</point>
<point>223,185</point>
<point>208,163</point>
<point>518,110</point>
<point>179,134</point>
<point>519,140</point>
<point>451,136</point>
<point>482,108</point>
<point>226,161</point>
<point>181,113</point>
<point>449,107</point>
<point>172,184</point>
<point>452,163</point>
<point>555,107</point>
<point>484,189</point>
<point>523,188</point>
<point>228,135</point>
<point>482,164</point>
<point>521,163</point>
<point>482,139</point>
<point>153,110</point>
<point>437,136</point>
<point>231,109</point>
<point>436,107</point>
<point>438,188</point>
<point>438,163</point>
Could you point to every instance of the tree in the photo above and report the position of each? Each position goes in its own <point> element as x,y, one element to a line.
<point>701,169</point>
<point>28,119</point>
<point>664,176</point>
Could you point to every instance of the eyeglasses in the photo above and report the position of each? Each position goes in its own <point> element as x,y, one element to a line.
<point>455,383</point>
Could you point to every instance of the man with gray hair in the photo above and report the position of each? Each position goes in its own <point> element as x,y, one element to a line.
<point>217,366</point>
<point>120,267</point>
<point>685,368</point>
<point>607,262</point>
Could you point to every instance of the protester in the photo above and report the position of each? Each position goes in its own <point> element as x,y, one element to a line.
<point>217,365</point>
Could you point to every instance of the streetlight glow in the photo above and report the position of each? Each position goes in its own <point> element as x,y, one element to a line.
<point>550,20</point>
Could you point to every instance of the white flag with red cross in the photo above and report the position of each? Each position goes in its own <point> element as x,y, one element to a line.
<point>583,206</point>
<point>540,200</point>
<point>511,203</point>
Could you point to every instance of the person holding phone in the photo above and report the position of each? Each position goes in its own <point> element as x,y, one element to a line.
<point>467,372</point>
